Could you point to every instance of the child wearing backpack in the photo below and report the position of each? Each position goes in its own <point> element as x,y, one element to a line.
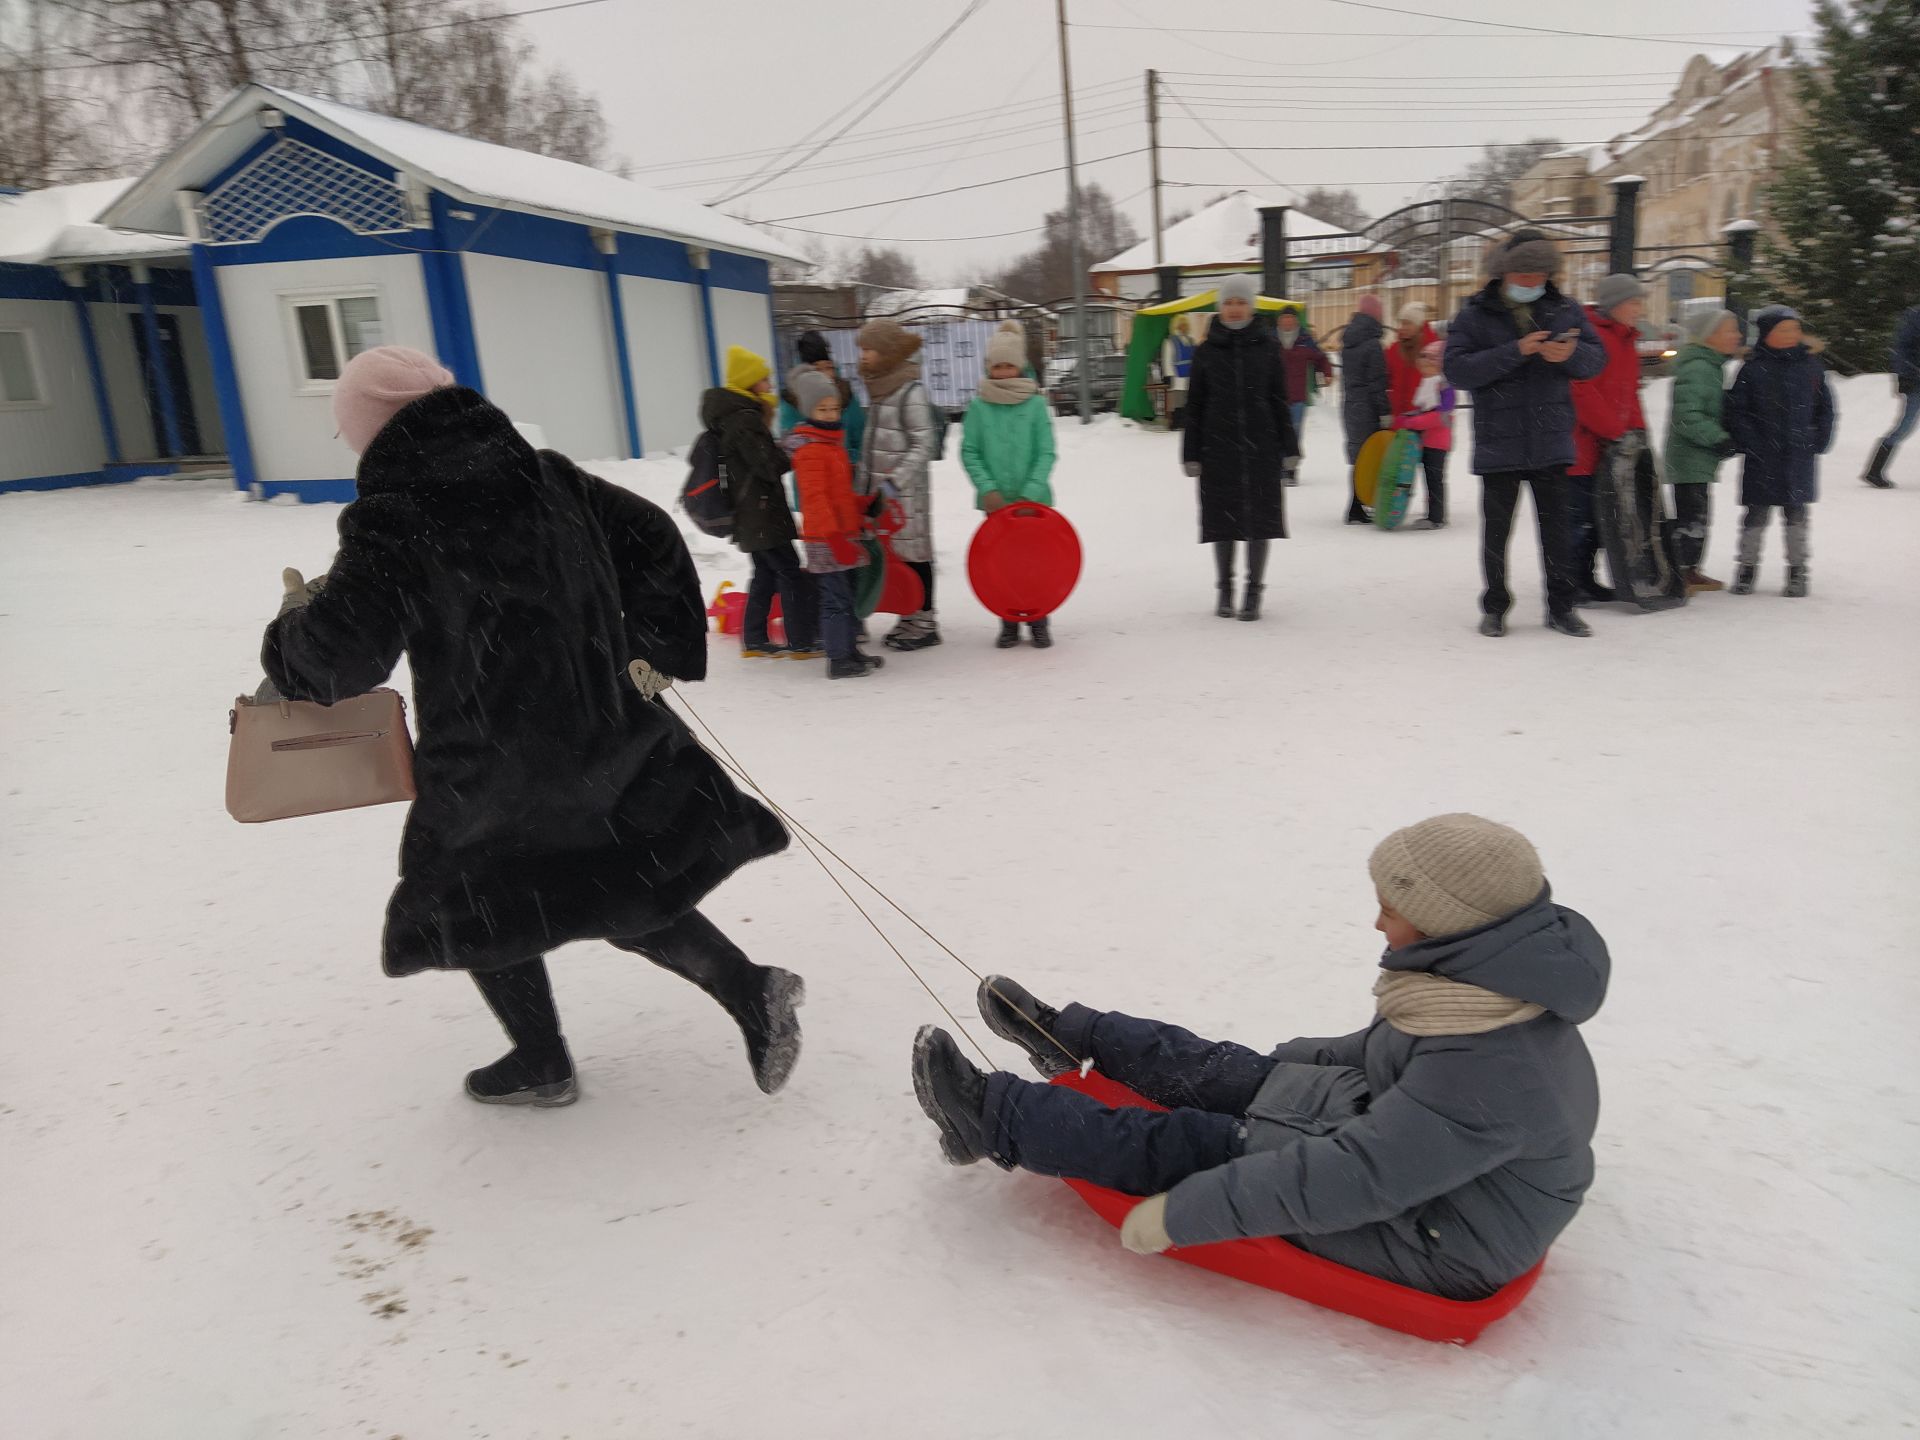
<point>903,440</point>
<point>830,518</point>
<point>1007,447</point>
<point>1429,414</point>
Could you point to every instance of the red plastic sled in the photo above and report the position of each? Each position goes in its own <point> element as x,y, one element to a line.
<point>1024,561</point>
<point>1279,1266</point>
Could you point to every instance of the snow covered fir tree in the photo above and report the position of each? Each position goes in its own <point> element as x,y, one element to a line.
<point>1846,246</point>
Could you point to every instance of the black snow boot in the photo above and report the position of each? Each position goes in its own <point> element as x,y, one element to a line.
<point>522,1077</point>
<point>770,1024</point>
<point>1743,578</point>
<point>1568,623</point>
<point>1493,626</point>
<point>1796,583</point>
<point>854,667</point>
<point>1225,608</point>
<point>1042,631</point>
<point>1013,1014</point>
<point>1876,474</point>
<point>953,1092</point>
<point>1009,635</point>
<point>1250,602</point>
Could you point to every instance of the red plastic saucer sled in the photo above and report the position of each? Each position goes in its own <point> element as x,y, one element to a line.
<point>1279,1266</point>
<point>1024,561</point>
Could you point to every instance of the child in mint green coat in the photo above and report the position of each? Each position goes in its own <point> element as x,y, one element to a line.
<point>1007,445</point>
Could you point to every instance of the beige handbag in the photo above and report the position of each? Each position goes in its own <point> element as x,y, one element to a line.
<point>295,757</point>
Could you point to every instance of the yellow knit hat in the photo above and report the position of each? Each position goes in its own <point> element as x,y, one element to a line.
<point>1455,873</point>
<point>745,369</point>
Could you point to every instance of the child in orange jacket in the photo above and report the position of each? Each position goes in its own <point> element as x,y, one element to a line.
<point>830,520</point>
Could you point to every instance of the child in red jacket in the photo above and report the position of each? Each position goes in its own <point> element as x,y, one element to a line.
<point>1606,408</point>
<point>1429,414</point>
<point>830,520</point>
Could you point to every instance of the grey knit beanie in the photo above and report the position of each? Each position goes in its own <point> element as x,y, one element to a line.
<point>1616,290</point>
<point>1527,253</point>
<point>1239,287</point>
<point>810,387</point>
<point>1455,873</point>
<point>1705,322</point>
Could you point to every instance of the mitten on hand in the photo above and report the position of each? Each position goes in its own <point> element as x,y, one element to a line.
<point>647,680</point>
<point>1192,467</point>
<point>299,592</point>
<point>1144,1231</point>
<point>844,551</point>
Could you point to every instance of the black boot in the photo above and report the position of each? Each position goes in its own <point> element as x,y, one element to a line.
<point>1796,583</point>
<point>1223,577</point>
<point>1042,631</point>
<point>770,1024</point>
<point>1225,608</point>
<point>1009,635</point>
<point>538,1070</point>
<point>953,1092</point>
<point>1013,1014</point>
<point>1493,626</point>
<point>1743,577</point>
<point>1568,623</point>
<point>1250,602</point>
<point>1256,579</point>
<point>1876,474</point>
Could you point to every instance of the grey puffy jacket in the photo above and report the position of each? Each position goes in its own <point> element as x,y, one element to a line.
<point>1448,1163</point>
<point>898,451</point>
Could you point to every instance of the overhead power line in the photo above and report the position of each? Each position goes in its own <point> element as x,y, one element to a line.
<point>938,239</point>
<point>1276,75</point>
<point>1625,143</point>
<point>1651,39</point>
<point>950,190</point>
<point>1694,36</point>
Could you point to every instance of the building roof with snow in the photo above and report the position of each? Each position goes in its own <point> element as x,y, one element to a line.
<point>468,170</point>
<point>1227,232</point>
<point>47,227</point>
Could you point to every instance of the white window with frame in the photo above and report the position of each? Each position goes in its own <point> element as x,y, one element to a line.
<point>328,330</point>
<point>20,384</point>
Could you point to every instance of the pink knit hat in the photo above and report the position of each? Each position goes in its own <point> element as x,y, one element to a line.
<point>1370,305</point>
<point>376,385</point>
<point>1436,351</point>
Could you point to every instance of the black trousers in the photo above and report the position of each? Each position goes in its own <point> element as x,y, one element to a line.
<point>1435,462</point>
<point>1499,497</point>
<point>779,570</point>
<point>1693,516</point>
<point>692,947</point>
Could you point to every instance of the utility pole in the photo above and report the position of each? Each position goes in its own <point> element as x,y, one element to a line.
<point>1153,153</point>
<point>1080,367</point>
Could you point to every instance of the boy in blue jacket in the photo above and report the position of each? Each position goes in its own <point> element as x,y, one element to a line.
<point>1443,1147</point>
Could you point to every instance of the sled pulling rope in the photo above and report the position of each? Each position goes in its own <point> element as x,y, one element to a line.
<point>815,846</point>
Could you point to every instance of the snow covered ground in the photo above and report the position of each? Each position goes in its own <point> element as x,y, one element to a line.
<point>244,1198</point>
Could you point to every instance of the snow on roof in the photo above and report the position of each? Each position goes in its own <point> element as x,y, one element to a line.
<point>44,226</point>
<point>471,170</point>
<point>1227,232</point>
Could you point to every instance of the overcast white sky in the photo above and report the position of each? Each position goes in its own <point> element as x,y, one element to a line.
<point>688,81</point>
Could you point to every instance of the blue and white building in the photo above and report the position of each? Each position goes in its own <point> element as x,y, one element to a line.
<point>105,372</point>
<point>581,303</point>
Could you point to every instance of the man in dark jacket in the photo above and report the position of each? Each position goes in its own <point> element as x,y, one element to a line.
<point>1443,1147</point>
<point>541,611</point>
<point>1366,403</point>
<point>1518,346</point>
<point>739,415</point>
<point>1906,381</point>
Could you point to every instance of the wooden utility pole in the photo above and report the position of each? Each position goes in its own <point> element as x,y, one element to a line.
<point>1080,366</point>
<point>1153,161</point>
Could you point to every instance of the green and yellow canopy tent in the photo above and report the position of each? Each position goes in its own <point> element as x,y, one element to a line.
<point>1151,327</point>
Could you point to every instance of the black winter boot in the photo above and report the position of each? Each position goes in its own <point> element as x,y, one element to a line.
<point>522,1078</point>
<point>1493,626</point>
<point>1568,623</point>
<point>854,667</point>
<point>538,1070</point>
<point>1796,583</point>
<point>1250,602</point>
<point>1013,1014</point>
<point>1042,631</point>
<point>953,1093</point>
<point>1009,636</point>
<point>770,1025</point>
<point>1876,474</point>
<point>1225,608</point>
<point>1743,578</point>
<point>1223,577</point>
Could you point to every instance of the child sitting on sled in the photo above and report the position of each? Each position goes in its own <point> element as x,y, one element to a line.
<point>1442,1147</point>
<point>1007,445</point>
<point>1430,416</point>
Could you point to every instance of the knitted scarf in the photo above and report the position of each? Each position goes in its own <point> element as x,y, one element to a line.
<point>1416,1003</point>
<point>1009,392</point>
<point>884,384</point>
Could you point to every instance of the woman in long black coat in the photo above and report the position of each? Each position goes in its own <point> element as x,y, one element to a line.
<point>1239,442</point>
<point>541,610</point>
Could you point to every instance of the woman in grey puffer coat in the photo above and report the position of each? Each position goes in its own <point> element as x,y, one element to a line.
<point>896,459</point>
<point>1444,1147</point>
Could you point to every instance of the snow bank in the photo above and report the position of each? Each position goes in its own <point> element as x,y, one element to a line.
<point>248,1199</point>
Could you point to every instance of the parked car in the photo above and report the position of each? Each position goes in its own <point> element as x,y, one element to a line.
<point>1109,378</point>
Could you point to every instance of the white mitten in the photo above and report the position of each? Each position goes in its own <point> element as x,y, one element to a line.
<point>1144,1231</point>
<point>299,592</point>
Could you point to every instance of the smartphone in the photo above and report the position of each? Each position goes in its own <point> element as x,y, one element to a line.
<point>1566,335</point>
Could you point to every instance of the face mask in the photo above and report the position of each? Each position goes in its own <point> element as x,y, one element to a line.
<point>1525,294</point>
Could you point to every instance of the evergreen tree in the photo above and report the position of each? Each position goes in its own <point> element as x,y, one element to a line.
<point>1844,248</point>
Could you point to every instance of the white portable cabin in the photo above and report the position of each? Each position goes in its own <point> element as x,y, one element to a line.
<point>584,304</point>
<point>105,374</point>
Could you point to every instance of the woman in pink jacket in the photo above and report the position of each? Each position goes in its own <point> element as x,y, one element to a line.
<point>1430,415</point>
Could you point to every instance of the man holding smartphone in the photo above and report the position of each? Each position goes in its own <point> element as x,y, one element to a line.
<point>1518,346</point>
